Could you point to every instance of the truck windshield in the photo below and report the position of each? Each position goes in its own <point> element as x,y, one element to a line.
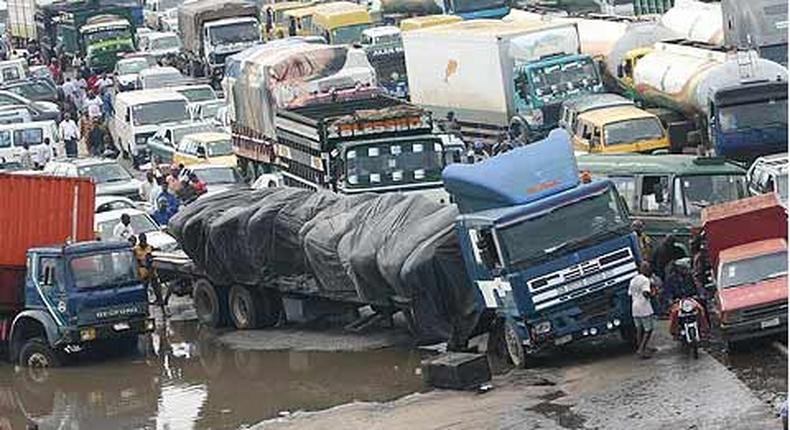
<point>394,164</point>
<point>107,34</point>
<point>160,112</point>
<point>218,175</point>
<point>104,173</point>
<point>700,191</point>
<point>348,34</point>
<point>563,229</point>
<point>219,148</point>
<point>756,115</point>
<point>753,270</point>
<point>462,6</point>
<point>235,33</point>
<point>557,81</point>
<point>632,130</point>
<point>109,269</point>
<point>165,43</point>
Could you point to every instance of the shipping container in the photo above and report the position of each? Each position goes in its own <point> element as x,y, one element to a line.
<point>38,211</point>
<point>743,221</point>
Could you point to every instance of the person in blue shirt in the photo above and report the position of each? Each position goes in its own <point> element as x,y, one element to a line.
<point>162,214</point>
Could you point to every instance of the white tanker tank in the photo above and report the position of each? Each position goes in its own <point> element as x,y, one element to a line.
<point>697,21</point>
<point>738,102</point>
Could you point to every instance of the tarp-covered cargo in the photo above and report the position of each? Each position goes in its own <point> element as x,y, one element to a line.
<point>192,16</point>
<point>365,249</point>
<point>291,75</point>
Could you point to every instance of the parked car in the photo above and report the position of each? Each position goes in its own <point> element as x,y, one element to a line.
<point>39,110</point>
<point>769,174</point>
<point>42,72</point>
<point>109,176</point>
<point>203,101</point>
<point>141,222</point>
<point>162,145</point>
<point>111,203</point>
<point>13,70</point>
<point>217,178</point>
<point>15,114</point>
<point>126,71</point>
<point>208,147</point>
<point>39,90</point>
<point>159,77</point>
<point>14,136</point>
<point>668,192</point>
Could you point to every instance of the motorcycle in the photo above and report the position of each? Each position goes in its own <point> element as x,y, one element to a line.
<point>689,324</point>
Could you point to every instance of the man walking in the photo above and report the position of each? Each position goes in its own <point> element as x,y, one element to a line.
<point>70,133</point>
<point>44,154</point>
<point>123,230</point>
<point>641,309</point>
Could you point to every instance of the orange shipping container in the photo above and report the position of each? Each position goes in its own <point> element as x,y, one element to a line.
<point>42,210</point>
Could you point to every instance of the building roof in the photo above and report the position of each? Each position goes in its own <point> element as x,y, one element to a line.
<point>752,249</point>
<point>668,164</point>
<point>615,114</point>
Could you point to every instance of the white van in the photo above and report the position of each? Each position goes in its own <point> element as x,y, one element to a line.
<point>159,77</point>
<point>14,136</point>
<point>13,70</point>
<point>138,115</point>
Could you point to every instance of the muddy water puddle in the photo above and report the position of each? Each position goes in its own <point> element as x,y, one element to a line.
<point>187,380</point>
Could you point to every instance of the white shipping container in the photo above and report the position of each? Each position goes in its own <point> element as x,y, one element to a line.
<point>22,18</point>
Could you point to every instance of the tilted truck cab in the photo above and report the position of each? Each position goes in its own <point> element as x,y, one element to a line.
<point>551,256</point>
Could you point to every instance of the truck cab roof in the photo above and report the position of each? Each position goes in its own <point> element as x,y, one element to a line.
<point>82,247</point>
<point>752,249</point>
<point>675,164</point>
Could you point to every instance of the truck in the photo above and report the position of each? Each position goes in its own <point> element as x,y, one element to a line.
<point>551,256</point>
<point>747,251</point>
<point>735,104</point>
<point>392,11</point>
<point>60,291</point>
<point>531,67</point>
<point>385,53</point>
<point>22,20</point>
<point>211,31</point>
<point>98,30</point>
<point>341,22</point>
<point>760,25</point>
<point>696,20</point>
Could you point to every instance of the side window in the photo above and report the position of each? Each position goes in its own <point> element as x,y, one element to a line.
<point>586,132</point>
<point>626,187</point>
<point>596,137</point>
<point>10,74</point>
<point>31,136</point>
<point>5,139</point>
<point>7,100</point>
<point>654,195</point>
<point>49,276</point>
<point>169,137</point>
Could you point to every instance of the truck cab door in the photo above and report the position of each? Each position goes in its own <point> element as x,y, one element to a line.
<point>50,286</point>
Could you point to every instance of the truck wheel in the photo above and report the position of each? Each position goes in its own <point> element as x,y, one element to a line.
<point>515,350</point>
<point>245,307</point>
<point>36,353</point>
<point>211,305</point>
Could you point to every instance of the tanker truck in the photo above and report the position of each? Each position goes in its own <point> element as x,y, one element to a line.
<point>496,75</point>
<point>735,104</point>
<point>695,20</point>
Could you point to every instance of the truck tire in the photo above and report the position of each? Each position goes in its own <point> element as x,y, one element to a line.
<point>515,350</point>
<point>36,353</point>
<point>211,304</point>
<point>246,307</point>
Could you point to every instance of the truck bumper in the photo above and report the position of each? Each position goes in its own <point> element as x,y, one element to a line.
<point>754,328</point>
<point>87,334</point>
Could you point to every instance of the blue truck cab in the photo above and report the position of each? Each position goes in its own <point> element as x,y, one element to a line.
<point>476,9</point>
<point>552,257</point>
<point>76,296</point>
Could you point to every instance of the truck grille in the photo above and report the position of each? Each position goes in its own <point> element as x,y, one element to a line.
<point>583,279</point>
<point>764,311</point>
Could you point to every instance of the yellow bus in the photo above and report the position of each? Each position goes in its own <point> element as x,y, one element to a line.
<point>273,19</point>
<point>299,22</point>
<point>419,22</point>
<point>341,22</point>
<point>619,129</point>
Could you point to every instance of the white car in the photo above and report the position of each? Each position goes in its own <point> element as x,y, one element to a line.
<point>769,174</point>
<point>111,203</point>
<point>141,222</point>
<point>159,77</point>
<point>126,71</point>
<point>217,178</point>
<point>162,44</point>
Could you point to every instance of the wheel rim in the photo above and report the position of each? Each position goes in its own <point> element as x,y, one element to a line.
<point>513,345</point>
<point>38,360</point>
<point>241,311</point>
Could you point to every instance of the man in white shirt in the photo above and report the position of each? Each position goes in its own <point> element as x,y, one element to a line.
<point>94,107</point>
<point>44,154</point>
<point>641,310</point>
<point>103,83</point>
<point>123,230</point>
<point>70,134</point>
<point>68,88</point>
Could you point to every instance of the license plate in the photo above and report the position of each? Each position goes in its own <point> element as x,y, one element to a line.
<point>120,326</point>
<point>773,322</point>
<point>563,340</point>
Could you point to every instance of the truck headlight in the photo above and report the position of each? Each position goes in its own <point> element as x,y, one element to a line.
<point>87,334</point>
<point>542,327</point>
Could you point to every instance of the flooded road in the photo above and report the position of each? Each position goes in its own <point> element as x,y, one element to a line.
<point>194,382</point>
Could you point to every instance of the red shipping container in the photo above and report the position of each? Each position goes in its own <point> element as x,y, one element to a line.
<point>37,210</point>
<point>743,221</point>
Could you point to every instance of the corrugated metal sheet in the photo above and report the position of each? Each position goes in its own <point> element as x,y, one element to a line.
<point>43,210</point>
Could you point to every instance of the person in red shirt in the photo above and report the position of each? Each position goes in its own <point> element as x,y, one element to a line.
<point>54,70</point>
<point>197,184</point>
